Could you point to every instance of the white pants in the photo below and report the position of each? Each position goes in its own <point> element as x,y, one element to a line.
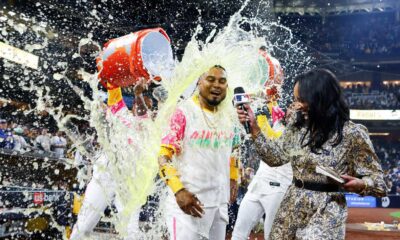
<point>212,225</point>
<point>99,194</point>
<point>251,211</point>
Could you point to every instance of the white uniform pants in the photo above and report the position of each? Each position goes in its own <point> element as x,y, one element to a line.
<point>99,194</point>
<point>251,211</point>
<point>211,226</point>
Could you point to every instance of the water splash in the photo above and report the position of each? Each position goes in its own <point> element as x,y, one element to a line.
<point>132,152</point>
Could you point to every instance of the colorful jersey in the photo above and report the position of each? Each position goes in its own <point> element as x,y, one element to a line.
<point>203,142</point>
<point>118,113</point>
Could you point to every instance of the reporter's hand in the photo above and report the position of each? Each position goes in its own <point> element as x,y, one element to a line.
<point>353,184</point>
<point>189,203</point>
<point>247,115</point>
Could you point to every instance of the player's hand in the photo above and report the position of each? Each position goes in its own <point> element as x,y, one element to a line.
<point>189,203</point>
<point>353,184</point>
<point>140,87</point>
<point>234,190</point>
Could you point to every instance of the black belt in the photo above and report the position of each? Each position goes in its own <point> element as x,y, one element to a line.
<point>315,186</point>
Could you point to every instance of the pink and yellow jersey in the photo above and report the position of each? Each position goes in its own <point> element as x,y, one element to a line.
<point>202,142</point>
<point>117,110</point>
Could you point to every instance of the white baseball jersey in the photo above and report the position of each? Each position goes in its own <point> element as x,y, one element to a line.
<point>203,142</point>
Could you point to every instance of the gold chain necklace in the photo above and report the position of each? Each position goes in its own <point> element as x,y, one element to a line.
<point>208,121</point>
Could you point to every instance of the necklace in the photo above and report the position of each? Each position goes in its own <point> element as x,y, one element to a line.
<point>208,121</point>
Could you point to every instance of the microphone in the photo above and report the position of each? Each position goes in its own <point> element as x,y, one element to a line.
<point>239,99</point>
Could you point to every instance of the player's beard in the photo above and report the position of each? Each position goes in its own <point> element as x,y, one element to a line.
<point>213,102</point>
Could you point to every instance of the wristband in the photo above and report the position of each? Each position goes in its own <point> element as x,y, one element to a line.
<point>170,175</point>
<point>166,151</point>
<point>114,95</point>
<point>234,169</point>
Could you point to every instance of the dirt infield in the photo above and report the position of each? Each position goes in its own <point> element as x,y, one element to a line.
<point>360,215</point>
<point>355,229</point>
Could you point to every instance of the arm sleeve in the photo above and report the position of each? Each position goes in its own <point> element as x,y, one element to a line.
<point>114,95</point>
<point>234,168</point>
<point>170,176</point>
<point>173,138</point>
<point>366,164</point>
<point>115,101</point>
<point>170,145</point>
<point>273,151</point>
<point>235,156</point>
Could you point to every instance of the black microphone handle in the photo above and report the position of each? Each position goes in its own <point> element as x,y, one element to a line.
<point>246,124</point>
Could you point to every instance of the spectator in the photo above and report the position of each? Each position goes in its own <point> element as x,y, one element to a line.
<point>366,35</point>
<point>59,144</point>
<point>32,135</point>
<point>26,135</point>
<point>19,141</point>
<point>364,98</point>
<point>3,133</point>
<point>397,184</point>
<point>10,125</point>
<point>6,138</point>
<point>392,187</point>
<point>43,141</point>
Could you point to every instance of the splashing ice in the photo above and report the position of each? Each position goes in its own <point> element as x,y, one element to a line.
<point>131,152</point>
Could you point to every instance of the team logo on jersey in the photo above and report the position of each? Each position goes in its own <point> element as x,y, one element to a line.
<point>211,139</point>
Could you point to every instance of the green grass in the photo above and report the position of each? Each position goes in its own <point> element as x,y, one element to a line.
<point>395,214</point>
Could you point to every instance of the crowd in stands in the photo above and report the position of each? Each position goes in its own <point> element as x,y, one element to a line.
<point>389,154</point>
<point>23,139</point>
<point>362,97</point>
<point>357,35</point>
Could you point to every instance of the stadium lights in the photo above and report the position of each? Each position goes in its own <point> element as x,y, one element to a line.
<point>380,115</point>
<point>395,82</point>
<point>353,83</point>
<point>18,56</point>
<point>379,134</point>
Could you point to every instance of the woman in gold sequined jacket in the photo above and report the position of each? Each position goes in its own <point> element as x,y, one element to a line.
<point>319,133</point>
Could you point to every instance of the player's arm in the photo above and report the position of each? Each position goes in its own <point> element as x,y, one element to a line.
<point>167,171</point>
<point>141,104</point>
<point>234,164</point>
<point>234,178</point>
<point>116,102</point>
<point>234,168</point>
<point>277,115</point>
<point>114,95</point>
<point>171,147</point>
